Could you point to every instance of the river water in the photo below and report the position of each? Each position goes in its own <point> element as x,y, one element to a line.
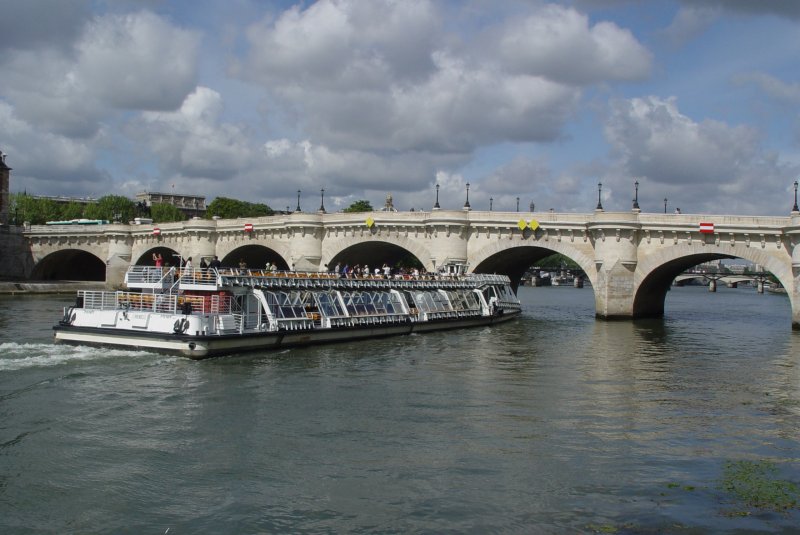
<point>554,423</point>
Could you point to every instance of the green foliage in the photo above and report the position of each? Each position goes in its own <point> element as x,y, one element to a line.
<point>231,208</point>
<point>754,483</point>
<point>557,261</point>
<point>166,213</point>
<point>72,210</point>
<point>359,206</point>
<point>112,208</point>
<point>37,211</point>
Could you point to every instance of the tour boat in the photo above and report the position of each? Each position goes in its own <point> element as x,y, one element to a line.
<point>200,313</point>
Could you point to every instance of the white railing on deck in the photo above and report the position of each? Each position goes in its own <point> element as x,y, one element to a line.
<point>163,303</point>
<point>147,275</point>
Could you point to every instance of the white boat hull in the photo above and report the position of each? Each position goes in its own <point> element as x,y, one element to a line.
<point>203,346</point>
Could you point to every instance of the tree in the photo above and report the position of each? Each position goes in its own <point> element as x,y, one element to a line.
<point>232,208</point>
<point>112,208</point>
<point>359,206</point>
<point>166,213</point>
<point>71,210</point>
<point>35,210</point>
<point>557,261</point>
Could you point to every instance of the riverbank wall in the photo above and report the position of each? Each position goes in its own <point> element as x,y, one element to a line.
<point>22,287</point>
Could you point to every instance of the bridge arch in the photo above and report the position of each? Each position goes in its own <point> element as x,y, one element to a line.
<point>374,252</point>
<point>655,272</point>
<point>169,255</point>
<point>255,256</point>
<point>70,264</point>
<point>514,259</point>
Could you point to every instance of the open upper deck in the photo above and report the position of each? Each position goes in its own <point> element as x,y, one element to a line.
<point>214,280</point>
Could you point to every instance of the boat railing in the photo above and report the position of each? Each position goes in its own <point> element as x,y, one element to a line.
<point>162,303</point>
<point>202,277</point>
<point>149,277</point>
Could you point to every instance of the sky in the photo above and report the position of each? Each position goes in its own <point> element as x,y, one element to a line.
<point>526,101</point>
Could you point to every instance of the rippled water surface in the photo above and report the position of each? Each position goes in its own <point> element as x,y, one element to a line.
<point>555,423</point>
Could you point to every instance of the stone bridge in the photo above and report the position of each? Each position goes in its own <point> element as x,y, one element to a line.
<point>630,258</point>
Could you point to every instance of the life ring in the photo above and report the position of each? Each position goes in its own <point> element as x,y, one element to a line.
<point>180,326</point>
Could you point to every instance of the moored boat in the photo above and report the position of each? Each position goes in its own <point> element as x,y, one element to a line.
<point>200,313</point>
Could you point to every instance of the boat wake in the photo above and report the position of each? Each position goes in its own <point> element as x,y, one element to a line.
<point>20,356</point>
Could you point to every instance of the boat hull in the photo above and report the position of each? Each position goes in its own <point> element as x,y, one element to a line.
<point>203,346</point>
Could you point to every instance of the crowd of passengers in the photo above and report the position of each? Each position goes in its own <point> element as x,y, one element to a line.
<point>344,271</point>
<point>387,272</point>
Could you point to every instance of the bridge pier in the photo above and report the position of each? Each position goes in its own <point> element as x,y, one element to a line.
<point>120,249</point>
<point>615,239</point>
<point>712,285</point>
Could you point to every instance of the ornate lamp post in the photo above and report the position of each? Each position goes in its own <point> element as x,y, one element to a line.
<point>794,208</point>
<point>665,205</point>
<point>322,200</point>
<point>491,199</point>
<point>466,204</point>
<point>636,195</point>
<point>436,206</point>
<point>298,202</point>
<point>532,206</point>
<point>599,192</point>
<point>517,204</point>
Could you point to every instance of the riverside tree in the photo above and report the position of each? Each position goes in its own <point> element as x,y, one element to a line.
<point>227,208</point>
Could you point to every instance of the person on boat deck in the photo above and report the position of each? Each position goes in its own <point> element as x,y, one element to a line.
<point>203,264</point>
<point>188,263</point>
<point>268,267</point>
<point>158,260</point>
<point>215,263</point>
<point>242,264</point>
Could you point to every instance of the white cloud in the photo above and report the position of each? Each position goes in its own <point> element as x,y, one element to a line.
<point>706,164</point>
<point>387,76</point>
<point>192,142</point>
<point>119,62</point>
<point>137,61</point>
<point>656,140</point>
<point>689,22</point>
<point>773,87</point>
<point>559,44</point>
<point>47,163</point>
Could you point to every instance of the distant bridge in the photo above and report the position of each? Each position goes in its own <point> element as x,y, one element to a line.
<point>731,279</point>
<point>630,258</point>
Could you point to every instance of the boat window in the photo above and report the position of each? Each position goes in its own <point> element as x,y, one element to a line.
<point>328,304</point>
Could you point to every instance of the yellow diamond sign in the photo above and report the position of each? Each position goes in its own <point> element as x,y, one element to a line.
<point>522,224</point>
<point>534,224</point>
<point>370,222</point>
